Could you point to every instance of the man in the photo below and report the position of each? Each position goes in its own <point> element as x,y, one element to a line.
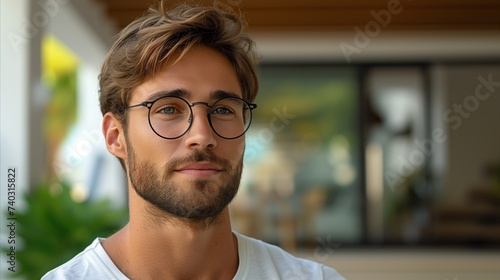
<point>176,93</point>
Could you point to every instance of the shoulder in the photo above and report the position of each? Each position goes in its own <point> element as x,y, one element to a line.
<point>272,262</point>
<point>91,263</point>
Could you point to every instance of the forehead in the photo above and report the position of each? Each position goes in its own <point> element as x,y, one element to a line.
<point>199,75</point>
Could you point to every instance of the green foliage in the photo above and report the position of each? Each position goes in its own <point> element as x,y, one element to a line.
<point>54,228</point>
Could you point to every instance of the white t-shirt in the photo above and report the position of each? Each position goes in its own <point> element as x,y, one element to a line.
<point>257,260</point>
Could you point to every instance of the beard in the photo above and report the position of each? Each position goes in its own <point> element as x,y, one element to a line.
<point>192,199</point>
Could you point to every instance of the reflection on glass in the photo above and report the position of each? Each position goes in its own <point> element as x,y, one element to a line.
<point>396,210</point>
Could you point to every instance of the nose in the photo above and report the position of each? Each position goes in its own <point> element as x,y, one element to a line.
<point>200,134</point>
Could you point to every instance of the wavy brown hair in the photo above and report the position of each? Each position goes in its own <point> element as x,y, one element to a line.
<point>143,48</point>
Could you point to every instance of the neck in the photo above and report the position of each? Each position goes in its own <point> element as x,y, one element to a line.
<point>150,247</point>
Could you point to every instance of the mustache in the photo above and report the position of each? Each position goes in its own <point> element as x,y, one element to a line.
<point>197,156</point>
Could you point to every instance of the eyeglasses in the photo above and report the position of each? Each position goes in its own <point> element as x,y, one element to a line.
<point>170,117</point>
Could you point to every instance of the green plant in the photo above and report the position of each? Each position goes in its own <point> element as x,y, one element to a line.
<point>53,228</point>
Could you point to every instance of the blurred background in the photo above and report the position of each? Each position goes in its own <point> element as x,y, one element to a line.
<point>374,149</point>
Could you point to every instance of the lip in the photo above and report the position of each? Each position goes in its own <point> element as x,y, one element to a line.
<point>200,169</point>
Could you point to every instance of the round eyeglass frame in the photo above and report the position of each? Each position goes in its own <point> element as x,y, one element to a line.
<point>149,105</point>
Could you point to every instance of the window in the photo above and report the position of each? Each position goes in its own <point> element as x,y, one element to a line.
<point>331,157</point>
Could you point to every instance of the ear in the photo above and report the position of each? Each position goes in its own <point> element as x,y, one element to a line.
<point>114,136</point>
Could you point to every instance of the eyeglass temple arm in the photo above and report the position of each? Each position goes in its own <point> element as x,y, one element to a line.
<point>145,104</point>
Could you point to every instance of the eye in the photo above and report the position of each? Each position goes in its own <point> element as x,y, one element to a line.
<point>222,111</point>
<point>168,110</point>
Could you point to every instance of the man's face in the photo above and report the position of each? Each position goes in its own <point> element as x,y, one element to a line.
<point>198,174</point>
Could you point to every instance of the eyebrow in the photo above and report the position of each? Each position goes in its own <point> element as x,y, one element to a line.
<point>176,92</point>
<point>219,94</point>
<point>214,95</point>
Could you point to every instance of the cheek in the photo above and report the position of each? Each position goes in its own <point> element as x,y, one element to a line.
<point>146,144</point>
<point>235,149</point>
<point>241,147</point>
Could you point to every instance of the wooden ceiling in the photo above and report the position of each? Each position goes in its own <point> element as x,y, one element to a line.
<point>273,15</point>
